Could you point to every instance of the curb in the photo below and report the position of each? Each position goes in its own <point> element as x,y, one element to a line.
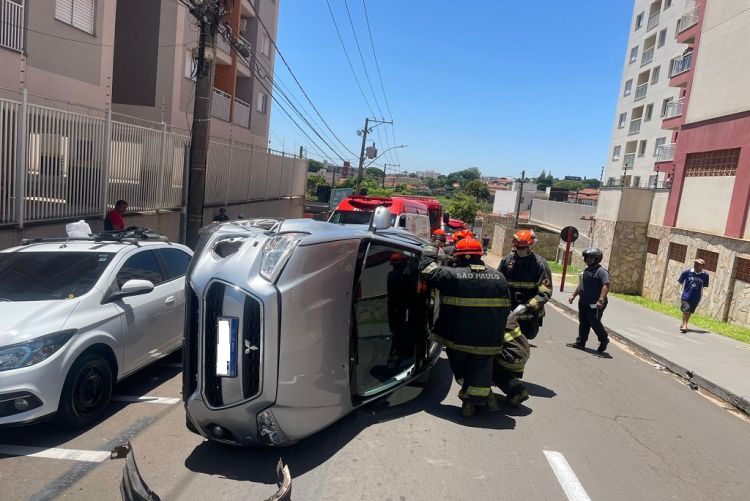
<point>741,403</point>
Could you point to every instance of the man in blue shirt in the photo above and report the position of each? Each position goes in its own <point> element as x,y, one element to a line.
<point>693,281</point>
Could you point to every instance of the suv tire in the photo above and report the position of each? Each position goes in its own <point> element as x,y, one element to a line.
<point>86,393</point>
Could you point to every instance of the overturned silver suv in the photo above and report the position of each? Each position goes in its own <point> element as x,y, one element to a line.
<point>292,324</point>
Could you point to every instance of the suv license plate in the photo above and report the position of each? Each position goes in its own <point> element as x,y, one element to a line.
<point>226,347</point>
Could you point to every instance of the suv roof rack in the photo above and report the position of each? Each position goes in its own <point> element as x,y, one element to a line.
<point>132,235</point>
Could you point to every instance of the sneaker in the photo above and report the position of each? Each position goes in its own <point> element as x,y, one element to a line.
<point>602,346</point>
<point>577,346</point>
<point>516,400</point>
<point>467,409</point>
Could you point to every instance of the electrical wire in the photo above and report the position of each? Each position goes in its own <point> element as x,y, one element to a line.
<point>362,59</point>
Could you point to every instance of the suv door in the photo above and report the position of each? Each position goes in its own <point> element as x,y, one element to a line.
<point>385,309</point>
<point>174,267</point>
<point>145,317</point>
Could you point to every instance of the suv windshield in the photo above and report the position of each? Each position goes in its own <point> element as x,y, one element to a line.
<point>351,217</point>
<point>44,276</point>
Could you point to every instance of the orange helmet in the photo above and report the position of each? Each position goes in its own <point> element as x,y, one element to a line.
<point>439,231</point>
<point>469,246</point>
<point>524,238</point>
<point>460,235</point>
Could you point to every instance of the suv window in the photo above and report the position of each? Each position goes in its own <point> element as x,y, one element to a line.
<point>351,217</point>
<point>44,276</point>
<point>175,262</point>
<point>142,266</point>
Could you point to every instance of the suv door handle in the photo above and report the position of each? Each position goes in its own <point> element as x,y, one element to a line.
<point>169,300</point>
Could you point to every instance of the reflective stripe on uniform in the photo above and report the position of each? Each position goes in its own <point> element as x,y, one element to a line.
<point>430,268</point>
<point>534,303</point>
<point>474,350</point>
<point>543,289</point>
<point>511,367</point>
<point>476,302</point>
<point>510,336</point>
<point>522,285</point>
<point>477,391</point>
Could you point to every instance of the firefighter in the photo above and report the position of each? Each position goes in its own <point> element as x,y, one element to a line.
<point>530,282</point>
<point>474,307</point>
<point>509,364</point>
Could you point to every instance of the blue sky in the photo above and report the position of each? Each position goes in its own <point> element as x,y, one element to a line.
<point>503,85</point>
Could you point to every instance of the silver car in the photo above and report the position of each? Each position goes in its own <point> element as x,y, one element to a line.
<point>79,315</point>
<point>290,325</point>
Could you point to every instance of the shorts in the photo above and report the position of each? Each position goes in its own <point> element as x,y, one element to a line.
<point>688,306</point>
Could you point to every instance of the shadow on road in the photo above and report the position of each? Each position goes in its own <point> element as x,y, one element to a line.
<point>258,465</point>
<point>536,390</point>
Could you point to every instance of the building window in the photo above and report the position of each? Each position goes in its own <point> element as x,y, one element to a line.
<point>261,103</point>
<point>648,112</point>
<point>712,163</point>
<point>660,141</point>
<point>667,4</point>
<point>677,252</point>
<point>636,181</point>
<point>623,119</point>
<point>77,13</point>
<point>664,106</point>
<point>190,65</point>
<point>634,54</point>
<point>616,153</point>
<point>628,87</point>
<point>642,148</point>
<point>742,269</point>
<point>655,75</point>
<point>662,38</point>
<point>639,21</point>
<point>653,246</point>
<point>711,259</point>
<point>266,46</point>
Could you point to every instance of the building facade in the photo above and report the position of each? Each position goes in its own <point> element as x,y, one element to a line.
<point>645,96</point>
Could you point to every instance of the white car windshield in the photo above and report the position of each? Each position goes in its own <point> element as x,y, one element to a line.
<point>45,276</point>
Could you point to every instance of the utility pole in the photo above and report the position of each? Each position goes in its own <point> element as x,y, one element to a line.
<point>520,195</point>
<point>385,166</point>
<point>365,131</point>
<point>208,14</point>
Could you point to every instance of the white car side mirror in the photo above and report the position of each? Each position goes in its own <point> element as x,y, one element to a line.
<point>132,288</point>
<point>381,219</point>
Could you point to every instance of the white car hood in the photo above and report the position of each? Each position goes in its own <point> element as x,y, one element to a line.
<point>24,320</point>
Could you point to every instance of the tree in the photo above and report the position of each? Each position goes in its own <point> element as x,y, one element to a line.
<point>477,189</point>
<point>569,185</point>
<point>314,165</point>
<point>592,183</point>
<point>314,181</point>
<point>543,175</point>
<point>463,207</point>
<point>374,172</point>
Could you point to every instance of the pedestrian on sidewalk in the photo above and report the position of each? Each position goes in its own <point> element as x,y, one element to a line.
<point>693,281</point>
<point>221,216</point>
<point>593,287</point>
<point>114,220</point>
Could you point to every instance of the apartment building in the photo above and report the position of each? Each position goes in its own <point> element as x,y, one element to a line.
<point>645,96</point>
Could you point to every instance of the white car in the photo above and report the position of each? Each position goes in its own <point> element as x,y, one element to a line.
<point>78,315</point>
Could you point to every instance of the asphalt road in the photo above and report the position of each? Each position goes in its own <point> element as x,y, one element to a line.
<point>626,429</point>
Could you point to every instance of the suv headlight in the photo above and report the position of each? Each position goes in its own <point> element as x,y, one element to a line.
<point>276,252</point>
<point>34,351</point>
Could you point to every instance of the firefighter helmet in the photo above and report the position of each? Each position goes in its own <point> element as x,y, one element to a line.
<point>594,252</point>
<point>439,231</point>
<point>469,246</point>
<point>524,238</point>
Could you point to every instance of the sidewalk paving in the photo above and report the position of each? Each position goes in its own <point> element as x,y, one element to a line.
<point>719,364</point>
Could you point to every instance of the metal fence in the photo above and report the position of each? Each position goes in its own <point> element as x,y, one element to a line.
<point>12,24</point>
<point>55,165</point>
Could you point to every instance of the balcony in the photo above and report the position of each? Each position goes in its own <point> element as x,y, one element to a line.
<point>220,105</point>
<point>665,152</point>
<point>648,56</point>
<point>653,22</point>
<point>628,161</point>
<point>688,20</point>
<point>241,113</point>
<point>640,91</point>
<point>244,60</point>
<point>635,128</point>
<point>12,24</point>
<point>680,64</point>
<point>674,109</point>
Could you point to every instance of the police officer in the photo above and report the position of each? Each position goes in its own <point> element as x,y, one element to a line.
<point>508,365</point>
<point>475,304</point>
<point>529,280</point>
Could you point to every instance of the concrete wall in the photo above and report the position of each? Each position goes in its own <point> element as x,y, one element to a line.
<point>561,214</point>
<point>505,202</point>
<point>705,202</point>
<point>723,62</point>
<point>658,207</point>
<point>609,204</point>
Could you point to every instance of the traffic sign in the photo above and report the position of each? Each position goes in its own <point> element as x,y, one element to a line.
<point>564,234</point>
<point>337,195</point>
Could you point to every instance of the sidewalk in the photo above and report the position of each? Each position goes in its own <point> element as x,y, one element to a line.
<point>719,364</point>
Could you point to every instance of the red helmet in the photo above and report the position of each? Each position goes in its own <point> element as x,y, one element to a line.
<point>524,238</point>
<point>469,246</point>
<point>460,235</point>
<point>439,231</point>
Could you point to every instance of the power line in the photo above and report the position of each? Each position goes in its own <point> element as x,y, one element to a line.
<point>361,57</point>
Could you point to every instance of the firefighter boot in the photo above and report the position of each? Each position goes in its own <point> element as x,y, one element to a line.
<point>492,404</point>
<point>468,409</point>
<point>516,399</point>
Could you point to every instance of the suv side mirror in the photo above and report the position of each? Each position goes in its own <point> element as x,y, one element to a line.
<point>131,288</point>
<point>381,219</point>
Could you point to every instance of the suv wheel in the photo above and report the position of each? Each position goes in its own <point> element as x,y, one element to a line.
<point>86,392</point>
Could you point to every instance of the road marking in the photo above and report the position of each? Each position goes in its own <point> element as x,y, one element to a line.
<point>145,399</point>
<point>567,478</point>
<point>54,453</point>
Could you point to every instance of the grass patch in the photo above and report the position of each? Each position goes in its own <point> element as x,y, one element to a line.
<point>702,321</point>
<point>571,275</point>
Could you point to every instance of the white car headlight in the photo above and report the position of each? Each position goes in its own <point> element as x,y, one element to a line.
<point>276,252</point>
<point>34,351</point>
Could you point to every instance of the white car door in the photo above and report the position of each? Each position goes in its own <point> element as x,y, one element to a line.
<point>175,262</point>
<point>146,316</point>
